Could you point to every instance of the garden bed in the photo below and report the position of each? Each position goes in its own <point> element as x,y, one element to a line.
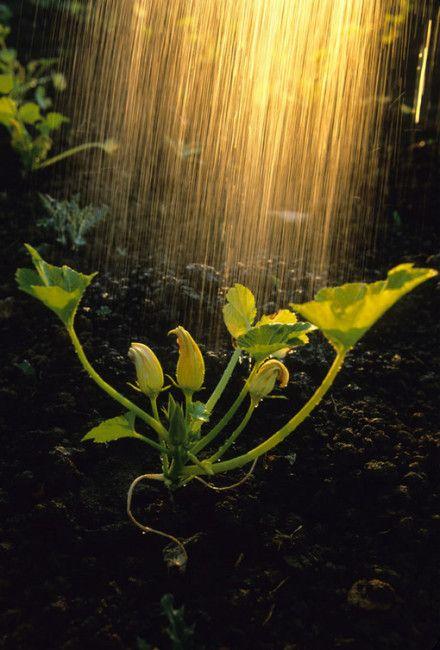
<point>331,543</point>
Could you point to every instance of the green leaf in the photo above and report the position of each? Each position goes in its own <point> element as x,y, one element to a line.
<point>262,341</point>
<point>345,313</point>
<point>281,316</point>
<point>59,288</point>
<point>113,429</point>
<point>240,310</point>
<point>197,411</point>
<point>29,113</point>
<point>8,111</point>
<point>54,121</point>
<point>6,83</point>
<point>40,97</point>
<point>59,81</point>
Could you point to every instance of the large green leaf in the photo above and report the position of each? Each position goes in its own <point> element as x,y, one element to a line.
<point>262,341</point>
<point>59,288</point>
<point>113,429</point>
<point>281,316</point>
<point>345,313</point>
<point>240,310</point>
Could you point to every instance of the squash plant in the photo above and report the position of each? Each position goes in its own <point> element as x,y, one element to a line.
<point>26,108</point>
<point>181,432</point>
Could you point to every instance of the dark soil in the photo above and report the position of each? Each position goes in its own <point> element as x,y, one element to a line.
<point>332,544</point>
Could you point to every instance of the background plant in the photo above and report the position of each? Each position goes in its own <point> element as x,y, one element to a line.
<point>69,220</point>
<point>26,108</point>
<point>343,314</point>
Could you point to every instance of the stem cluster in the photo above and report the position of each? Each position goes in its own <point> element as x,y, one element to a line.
<point>179,441</point>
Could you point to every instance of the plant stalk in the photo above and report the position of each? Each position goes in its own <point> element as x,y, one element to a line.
<point>234,435</point>
<point>224,379</point>
<point>124,401</point>
<point>203,442</point>
<point>67,154</point>
<point>288,428</point>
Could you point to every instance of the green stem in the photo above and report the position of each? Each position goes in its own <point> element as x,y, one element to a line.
<point>203,442</point>
<point>218,391</point>
<point>188,403</point>
<point>288,428</point>
<point>70,152</point>
<point>152,443</point>
<point>200,463</point>
<point>126,403</point>
<point>234,435</point>
<point>163,433</point>
<point>163,436</point>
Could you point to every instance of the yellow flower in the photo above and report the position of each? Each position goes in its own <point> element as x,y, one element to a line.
<point>263,379</point>
<point>190,366</point>
<point>148,369</point>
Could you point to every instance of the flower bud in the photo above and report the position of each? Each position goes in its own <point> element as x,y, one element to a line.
<point>149,372</point>
<point>190,366</point>
<point>263,379</point>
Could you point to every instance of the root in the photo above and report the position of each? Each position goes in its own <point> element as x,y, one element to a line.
<point>228,487</point>
<point>180,562</point>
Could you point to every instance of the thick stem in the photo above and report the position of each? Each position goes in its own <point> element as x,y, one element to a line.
<point>288,428</point>
<point>218,391</point>
<point>203,442</point>
<point>70,152</point>
<point>126,403</point>
<point>234,435</point>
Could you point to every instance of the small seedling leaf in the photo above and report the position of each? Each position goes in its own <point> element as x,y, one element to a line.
<point>59,288</point>
<point>346,313</point>
<point>113,429</point>
<point>240,310</point>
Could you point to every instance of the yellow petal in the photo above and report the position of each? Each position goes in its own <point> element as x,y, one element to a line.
<point>149,372</point>
<point>190,371</point>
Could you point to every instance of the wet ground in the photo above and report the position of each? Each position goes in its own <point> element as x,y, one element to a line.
<point>332,542</point>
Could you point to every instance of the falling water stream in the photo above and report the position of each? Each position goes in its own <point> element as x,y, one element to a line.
<point>251,132</point>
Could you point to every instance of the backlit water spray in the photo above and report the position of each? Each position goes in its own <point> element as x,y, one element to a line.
<point>250,133</point>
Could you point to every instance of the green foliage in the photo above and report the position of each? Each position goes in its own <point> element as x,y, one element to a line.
<point>59,288</point>
<point>240,310</point>
<point>70,222</point>
<point>181,635</point>
<point>113,429</point>
<point>26,101</point>
<point>346,313</point>
<point>272,338</point>
<point>25,106</point>
<point>343,314</point>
